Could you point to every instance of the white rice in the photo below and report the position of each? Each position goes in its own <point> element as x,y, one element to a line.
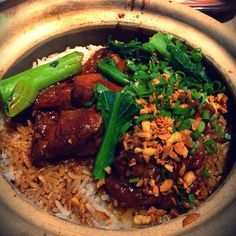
<point>88,51</point>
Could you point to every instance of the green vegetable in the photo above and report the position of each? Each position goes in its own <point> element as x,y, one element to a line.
<point>140,89</point>
<point>191,197</point>
<point>179,56</point>
<point>206,114</point>
<point>132,49</point>
<point>213,118</point>
<point>135,180</point>
<point>208,88</point>
<point>206,173</point>
<point>196,56</point>
<point>186,124</point>
<point>117,110</point>
<point>19,91</point>
<point>109,68</point>
<point>186,64</point>
<point>144,117</point>
<point>195,94</point>
<point>165,113</point>
<point>203,99</point>
<point>160,42</point>
<point>219,130</point>
<point>165,173</point>
<point>181,111</point>
<point>195,146</point>
<point>211,146</point>
<point>201,127</point>
<point>196,135</point>
<point>218,87</point>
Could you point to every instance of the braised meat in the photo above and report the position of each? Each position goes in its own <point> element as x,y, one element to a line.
<point>74,133</point>
<point>140,169</point>
<point>84,85</point>
<point>58,95</point>
<point>128,195</point>
<point>62,129</point>
<point>91,65</point>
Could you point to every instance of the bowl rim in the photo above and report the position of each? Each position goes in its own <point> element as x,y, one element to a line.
<point>63,20</point>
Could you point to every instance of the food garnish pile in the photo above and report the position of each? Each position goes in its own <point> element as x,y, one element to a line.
<point>146,115</point>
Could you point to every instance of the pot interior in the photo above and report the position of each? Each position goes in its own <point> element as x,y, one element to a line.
<point>99,37</point>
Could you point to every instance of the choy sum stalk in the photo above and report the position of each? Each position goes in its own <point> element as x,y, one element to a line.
<point>117,111</point>
<point>18,92</point>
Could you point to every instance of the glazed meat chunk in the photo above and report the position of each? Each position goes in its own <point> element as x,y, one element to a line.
<point>58,95</point>
<point>68,134</point>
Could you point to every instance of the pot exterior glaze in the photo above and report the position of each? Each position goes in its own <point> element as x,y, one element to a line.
<point>34,22</point>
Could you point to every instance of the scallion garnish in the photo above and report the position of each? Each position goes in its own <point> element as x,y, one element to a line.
<point>214,117</point>
<point>196,134</point>
<point>201,127</point>
<point>195,146</point>
<point>202,101</point>
<point>134,180</point>
<point>206,114</point>
<point>191,197</point>
<point>165,174</point>
<point>211,146</point>
<point>208,88</point>
<point>181,111</point>
<point>144,117</point>
<point>165,113</point>
<point>219,130</point>
<point>206,173</point>
<point>185,124</point>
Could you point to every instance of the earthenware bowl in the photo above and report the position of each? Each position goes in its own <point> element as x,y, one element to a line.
<point>36,28</point>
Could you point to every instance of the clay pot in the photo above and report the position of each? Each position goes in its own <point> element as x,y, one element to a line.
<point>38,28</point>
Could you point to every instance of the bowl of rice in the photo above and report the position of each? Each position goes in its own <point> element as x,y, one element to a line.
<point>65,198</point>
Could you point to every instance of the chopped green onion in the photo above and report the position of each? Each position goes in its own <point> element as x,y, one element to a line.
<point>144,117</point>
<point>191,197</point>
<point>219,130</point>
<point>195,94</point>
<point>201,127</point>
<point>192,151</point>
<point>186,124</point>
<point>195,146</point>
<point>192,112</point>
<point>202,101</point>
<point>214,117</point>
<point>181,111</point>
<point>206,173</point>
<point>211,146</point>
<point>196,134</point>
<point>208,88</point>
<point>134,180</point>
<point>165,174</point>
<point>218,87</point>
<point>165,113</point>
<point>206,114</point>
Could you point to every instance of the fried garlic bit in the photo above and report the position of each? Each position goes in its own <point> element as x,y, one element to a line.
<point>142,219</point>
